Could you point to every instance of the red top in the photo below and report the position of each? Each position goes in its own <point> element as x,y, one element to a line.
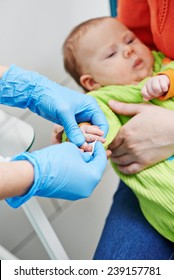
<point>152,21</point>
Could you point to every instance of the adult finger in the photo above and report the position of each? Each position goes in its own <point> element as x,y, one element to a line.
<point>127,109</point>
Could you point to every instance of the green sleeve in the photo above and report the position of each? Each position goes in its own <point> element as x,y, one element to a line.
<point>129,94</point>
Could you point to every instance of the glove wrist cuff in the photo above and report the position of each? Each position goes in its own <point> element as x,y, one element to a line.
<point>19,200</point>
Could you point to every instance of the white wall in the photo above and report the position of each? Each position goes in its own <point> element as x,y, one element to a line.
<point>32,33</point>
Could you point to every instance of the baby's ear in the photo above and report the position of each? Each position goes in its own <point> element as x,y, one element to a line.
<point>88,82</point>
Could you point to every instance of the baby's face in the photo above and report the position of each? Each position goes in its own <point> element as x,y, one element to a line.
<point>112,55</point>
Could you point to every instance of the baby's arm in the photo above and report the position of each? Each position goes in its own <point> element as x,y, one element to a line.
<point>155,87</point>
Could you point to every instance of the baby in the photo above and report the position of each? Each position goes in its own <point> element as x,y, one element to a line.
<point>101,52</point>
<point>110,62</point>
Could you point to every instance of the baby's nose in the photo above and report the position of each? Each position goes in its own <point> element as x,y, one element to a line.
<point>128,51</point>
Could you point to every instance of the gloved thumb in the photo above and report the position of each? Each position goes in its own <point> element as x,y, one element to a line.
<point>72,130</point>
<point>86,156</point>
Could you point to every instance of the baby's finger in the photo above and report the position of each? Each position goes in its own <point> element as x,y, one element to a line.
<point>92,137</point>
<point>86,147</point>
<point>165,84</point>
<point>153,89</point>
<point>145,93</point>
<point>92,130</point>
<point>156,88</point>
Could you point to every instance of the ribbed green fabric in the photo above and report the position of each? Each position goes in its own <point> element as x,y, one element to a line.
<point>154,187</point>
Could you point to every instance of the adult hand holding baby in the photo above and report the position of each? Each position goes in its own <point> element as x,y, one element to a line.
<point>144,140</point>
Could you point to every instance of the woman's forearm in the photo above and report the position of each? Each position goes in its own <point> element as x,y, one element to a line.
<point>16,177</point>
<point>3,69</point>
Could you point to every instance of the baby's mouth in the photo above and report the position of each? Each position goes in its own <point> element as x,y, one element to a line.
<point>138,64</point>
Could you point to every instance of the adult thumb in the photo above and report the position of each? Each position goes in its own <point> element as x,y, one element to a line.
<point>72,130</point>
<point>126,109</point>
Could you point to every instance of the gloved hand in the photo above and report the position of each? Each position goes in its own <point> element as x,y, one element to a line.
<point>63,171</point>
<point>26,89</point>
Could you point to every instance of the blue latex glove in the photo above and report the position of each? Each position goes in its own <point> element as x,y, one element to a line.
<point>63,171</point>
<point>26,89</point>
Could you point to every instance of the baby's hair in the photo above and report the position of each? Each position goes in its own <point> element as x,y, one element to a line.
<point>71,65</point>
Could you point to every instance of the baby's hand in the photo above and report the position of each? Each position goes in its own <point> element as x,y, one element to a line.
<point>92,133</point>
<point>56,135</point>
<point>155,87</point>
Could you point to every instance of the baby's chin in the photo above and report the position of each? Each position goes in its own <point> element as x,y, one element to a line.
<point>135,83</point>
<point>142,77</point>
